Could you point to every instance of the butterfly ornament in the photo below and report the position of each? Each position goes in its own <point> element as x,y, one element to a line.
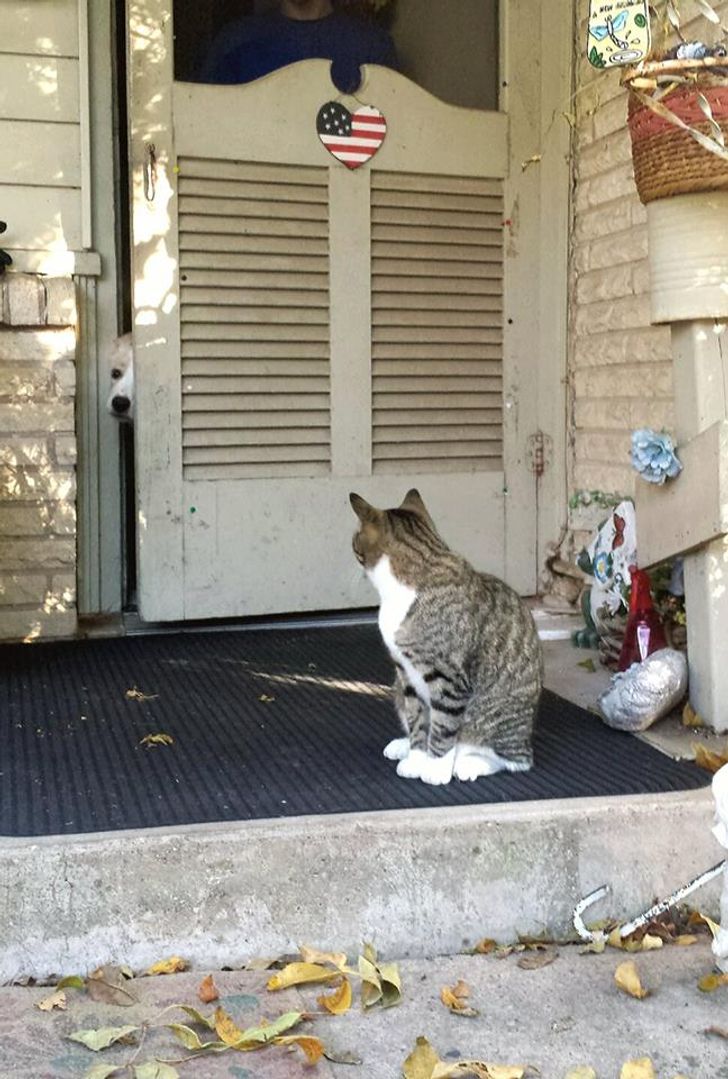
<point>619,32</point>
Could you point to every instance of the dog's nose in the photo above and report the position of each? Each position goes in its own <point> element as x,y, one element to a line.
<point>120,403</point>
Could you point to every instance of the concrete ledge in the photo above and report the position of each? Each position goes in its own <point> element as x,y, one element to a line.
<point>418,882</point>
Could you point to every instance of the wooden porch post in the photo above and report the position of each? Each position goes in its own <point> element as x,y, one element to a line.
<point>688,253</point>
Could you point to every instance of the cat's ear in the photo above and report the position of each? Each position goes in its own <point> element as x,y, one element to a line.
<point>413,501</point>
<point>362,508</point>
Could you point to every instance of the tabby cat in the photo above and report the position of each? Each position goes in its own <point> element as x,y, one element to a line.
<point>464,644</point>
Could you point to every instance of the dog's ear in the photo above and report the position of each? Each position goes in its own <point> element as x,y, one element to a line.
<point>363,510</point>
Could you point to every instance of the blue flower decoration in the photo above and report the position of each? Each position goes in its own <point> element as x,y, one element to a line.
<point>653,455</point>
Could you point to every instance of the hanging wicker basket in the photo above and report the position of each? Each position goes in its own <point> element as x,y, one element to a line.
<point>667,159</point>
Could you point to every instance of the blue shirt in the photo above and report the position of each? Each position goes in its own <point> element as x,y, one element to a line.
<point>258,44</point>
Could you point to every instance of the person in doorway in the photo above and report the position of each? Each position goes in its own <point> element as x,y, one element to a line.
<point>255,45</point>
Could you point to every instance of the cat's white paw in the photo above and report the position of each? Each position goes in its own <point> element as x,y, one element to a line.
<point>471,766</point>
<point>410,767</point>
<point>438,770</point>
<point>397,749</point>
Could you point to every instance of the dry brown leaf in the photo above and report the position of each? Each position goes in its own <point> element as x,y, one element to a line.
<point>628,980</point>
<point>582,1072</point>
<point>485,946</point>
<point>638,1069</point>
<point>225,1027</point>
<point>422,1061</point>
<point>455,998</point>
<point>313,955</point>
<point>173,965</point>
<point>479,1069</point>
<point>720,1032</point>
<point>690,717</point>
<point>311,1046</point>
<point>536,960</point>
<point>55,1000</point>
<point>685,939</point>
<point>298,974</point>
<point>135,694</point>
<point>160,739</point>
<point>339,1001</point>
<point>708,758</point>
<point>107,985</point>
<point>710,982</point>
<point>207,990</point>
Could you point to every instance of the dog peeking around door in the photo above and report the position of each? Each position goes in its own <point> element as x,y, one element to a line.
<point>120,402</point>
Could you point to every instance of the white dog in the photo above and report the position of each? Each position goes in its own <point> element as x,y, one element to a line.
<point>120,402</point>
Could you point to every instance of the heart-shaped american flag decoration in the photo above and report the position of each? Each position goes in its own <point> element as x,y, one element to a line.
<point>352,137</point>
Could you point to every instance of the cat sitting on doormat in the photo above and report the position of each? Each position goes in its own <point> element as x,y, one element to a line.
<point>464,644</point>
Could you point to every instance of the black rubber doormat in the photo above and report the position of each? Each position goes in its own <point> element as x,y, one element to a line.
<point>264,723</point>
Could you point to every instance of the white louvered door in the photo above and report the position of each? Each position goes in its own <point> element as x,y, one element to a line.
<point>303,330</point>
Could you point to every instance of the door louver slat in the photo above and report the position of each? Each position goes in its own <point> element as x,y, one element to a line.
<point>437,310</point>
<point>254,319</point>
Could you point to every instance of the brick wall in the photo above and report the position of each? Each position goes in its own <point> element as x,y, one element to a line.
<point>620,366</point>
<point>37,457</point>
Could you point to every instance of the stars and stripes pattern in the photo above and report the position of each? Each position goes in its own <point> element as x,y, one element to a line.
<point>352,137</point>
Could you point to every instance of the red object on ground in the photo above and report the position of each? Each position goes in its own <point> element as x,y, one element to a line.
<point>644,633</point>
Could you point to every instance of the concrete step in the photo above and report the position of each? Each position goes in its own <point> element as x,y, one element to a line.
<point>418,882</point>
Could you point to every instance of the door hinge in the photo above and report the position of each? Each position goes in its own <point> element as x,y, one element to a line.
<point>539,452</point>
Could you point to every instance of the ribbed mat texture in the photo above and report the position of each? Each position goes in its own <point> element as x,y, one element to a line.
<point>266,723</point>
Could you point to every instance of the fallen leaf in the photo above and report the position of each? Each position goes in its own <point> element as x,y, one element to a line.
<point>421,1062</point>
<point>312,1047</point>
<point>339,1001</point>
<point>582,1072</point>
<point>157,740</point>
<point>345,1057</point>
<point>594,947</point>
<point>720,1032</point>
<point>103,1037</point>
<point>587,664</point>
<point>197,1016</point>
<point>135,694</point>
<point>710,982</point>
<point>254,1037</point>
<point>262,964</point>
<point>103,1071</point>
<point>638,1069</point>
<point>313,955</point>
<point>456,999</point>
<point>708,758</point>
<point>536,960</point>
<point>192,1041</point>
<point>300,973</point>
<point>649,942</point>
<point>153,1069</point>
<point>480,1069</point>
<point>106,985</point>
<point>690,717</point>
<point>380,981</point>
<point>57,999</point>
<point>391,984</point>
<point>173,965</point>
<point>628,980</point>
<point>684,939</point>
<point>226,1029</point>
<point>266,699</point>
<point>207,990</point>
<point>72,981</point>
<point>485,946</point>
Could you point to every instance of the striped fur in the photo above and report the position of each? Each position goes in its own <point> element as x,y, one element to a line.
<point>467,655</point>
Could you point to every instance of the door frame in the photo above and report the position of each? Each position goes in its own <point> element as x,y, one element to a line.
<point>536,76</point>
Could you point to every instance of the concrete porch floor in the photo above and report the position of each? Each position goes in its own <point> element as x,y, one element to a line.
<point>419,883</point>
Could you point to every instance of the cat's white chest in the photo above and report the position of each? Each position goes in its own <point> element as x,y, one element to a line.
<point>395,601</point>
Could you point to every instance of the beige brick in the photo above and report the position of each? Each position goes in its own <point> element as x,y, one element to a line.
<point>23,300</point>
<point>18,589</point>
<point>65,449</point>
<point>36,625</point>
<point>600,477</point>
<point>604,284</point>
<point>24,451</point>
<point>44,417</point>
<point>47,554</point>
<point>65,376</point>
<point>623,413</point>
<point>60,301</point>
<point>606,154</point>
<point>612,116</point>
<point>651,345</point>
<point>609,315</point>
<point>615,185</point>
<point>47,345</point>
<point>628,246</point>
<point>594,224</point>
<point>25,380</point>
<point>611,448</point>
<point>37,519</point>
<point>630,380</point>
<point>33,484</point>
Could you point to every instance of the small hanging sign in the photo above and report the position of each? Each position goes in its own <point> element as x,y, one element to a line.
<point>352,137</point>
<point>619,32</point>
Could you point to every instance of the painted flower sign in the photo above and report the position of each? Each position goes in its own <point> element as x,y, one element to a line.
<point>619,32</point>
